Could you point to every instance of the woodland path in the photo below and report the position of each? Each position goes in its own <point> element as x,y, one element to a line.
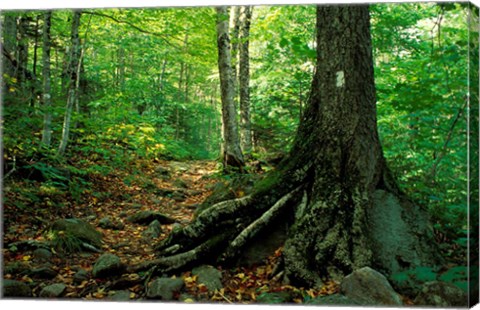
<point>175,189</point>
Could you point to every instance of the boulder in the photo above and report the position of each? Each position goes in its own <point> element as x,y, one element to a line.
<point>441,294</point>
<point>164,288</point>
<point>53,291</point>
<point>275,298</point>
<point>153,230</point>
<point>210,276</point>
<point>369,287</point>
<point>79,229</point>
<point>401,234</point>
<point>179,183</point>
<point>43,273</point>
<point>120,296</point>
<point>108,223</point>
<point>146,217</point>
<point>42,255</point>
<point>12,288</point>
<point>332,300</point>
<point>80,276</point>
<point>107,265</point>
<point>17,267</point>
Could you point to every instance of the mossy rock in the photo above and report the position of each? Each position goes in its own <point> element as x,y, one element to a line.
<point>79,229</point>
<point>332,300</point>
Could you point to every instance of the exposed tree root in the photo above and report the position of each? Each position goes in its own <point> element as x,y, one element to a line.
<point>219,233</point>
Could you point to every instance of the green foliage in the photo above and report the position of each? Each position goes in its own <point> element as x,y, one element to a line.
<point>414,278</point>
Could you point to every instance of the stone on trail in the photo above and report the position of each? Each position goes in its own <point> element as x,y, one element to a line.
<point>13,288</point>
<point>210,276</point>
<point>369,287</point>
<point>275,298</point>
<point>120,296</point>
<point>80,276</point>
<point>79,229</point>
<point>53,291</point>
<point>42,273</point>
<point>441,294</point>
<point>332,300</point>
<point>153,230</point>
<point>108,223</point>
<point>146,217</point>
<point>107,265</point>
<point>42,255</point>
<point>164,288</point>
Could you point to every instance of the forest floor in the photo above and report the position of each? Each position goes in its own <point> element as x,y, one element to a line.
<point>118,195</point>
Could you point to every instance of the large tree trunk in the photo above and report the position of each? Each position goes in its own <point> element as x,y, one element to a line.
<point>232,154</point>
<point>73,73</point>
<point>339,203</point>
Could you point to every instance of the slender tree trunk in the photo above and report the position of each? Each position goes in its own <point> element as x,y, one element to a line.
<point>74,70</point>
<point>232,154</point>
<point>235,43</point>
<point>244,79</point>
<point>9,47</point>
<point>47,95</point>
<point>22,49</point>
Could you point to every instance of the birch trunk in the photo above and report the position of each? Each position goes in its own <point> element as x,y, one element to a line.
<point>232,154</point>
<point>47,96</point>
<point>244,79</point>
<point>73,72</point>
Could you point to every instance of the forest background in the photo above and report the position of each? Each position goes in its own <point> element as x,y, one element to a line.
<point>149,90</point>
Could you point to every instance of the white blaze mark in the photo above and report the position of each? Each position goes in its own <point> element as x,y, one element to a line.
<point>340,78</point>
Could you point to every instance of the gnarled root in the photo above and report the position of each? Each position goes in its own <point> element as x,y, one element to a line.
<point>219,233</point>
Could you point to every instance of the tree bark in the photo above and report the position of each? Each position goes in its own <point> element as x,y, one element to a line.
<point>338,199</point>
<point>73,72</point>
<point>232,154</point>
<point>244,79</point>
<point>47,96</point>
<point>9,50</point>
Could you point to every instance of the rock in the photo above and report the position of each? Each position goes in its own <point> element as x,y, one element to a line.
<point>107,265</point>
<point>331,300</point>
<point>178,166</point>
<point>79,229</point>
<point>164,288</point>
<point>264,244</point>
<point>12,288</point>
<point>53,291</point>
<point>146,217</point>
<point>108,223</point>
<point>120,296</point>
<point>400,234</point>
<point>162,171</point>
<point>179,196</point>
<point>210,276</point>
<point>369,287</point>
<point>153,230</point>
<point>274,298</point>
<point>16,268</point>
<point>80,276</point>
<point>441,294</point>
<point>42,273</point>
<point>186,298</point>
<point>42,255</point>
<point>179,183</point>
